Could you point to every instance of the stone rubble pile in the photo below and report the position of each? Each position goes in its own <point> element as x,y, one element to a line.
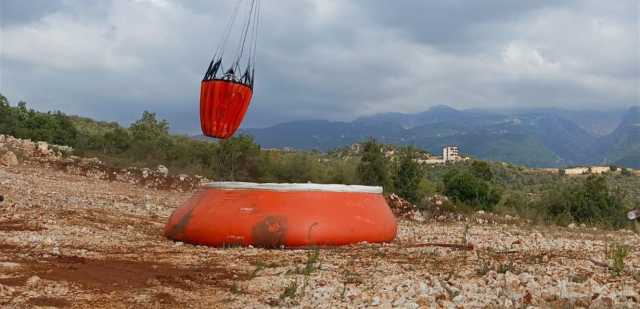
<point>9,159</point>
<point>399,206</point>
<point>403,209</point>
<point>59,157</point>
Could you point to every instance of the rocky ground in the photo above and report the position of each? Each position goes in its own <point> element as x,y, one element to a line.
<point>75,238</point>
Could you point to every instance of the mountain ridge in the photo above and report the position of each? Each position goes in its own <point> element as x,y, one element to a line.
<point>536,137</point>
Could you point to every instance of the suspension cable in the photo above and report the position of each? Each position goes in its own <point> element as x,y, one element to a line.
<point>245,32</point>
<point>255,41</point>
<point>227,33</point>
<point>247,41</point>
<point>255,34</point>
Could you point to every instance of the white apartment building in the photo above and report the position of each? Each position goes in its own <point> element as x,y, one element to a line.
<point>450,153</point>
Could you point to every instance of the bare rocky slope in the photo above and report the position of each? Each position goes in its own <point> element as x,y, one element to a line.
<point>76,234</point>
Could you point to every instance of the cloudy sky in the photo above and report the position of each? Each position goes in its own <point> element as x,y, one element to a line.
<point>322,59</point>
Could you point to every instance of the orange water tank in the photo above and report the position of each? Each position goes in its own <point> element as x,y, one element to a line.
<point>277,215</point>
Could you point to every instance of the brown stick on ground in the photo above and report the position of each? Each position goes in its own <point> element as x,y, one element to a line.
<point>598,263</point>
<point>595,262</point>
<point>468,247</point>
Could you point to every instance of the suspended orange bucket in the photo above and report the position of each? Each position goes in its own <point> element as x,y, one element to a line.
<point>223,104</point>
<point>226,90</point>
<point>283,215</point>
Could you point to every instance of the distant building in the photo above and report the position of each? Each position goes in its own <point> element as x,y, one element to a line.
<point>451,153</point>
<point>357,147</point>
<point>584,170</point>
<point>430,161</point>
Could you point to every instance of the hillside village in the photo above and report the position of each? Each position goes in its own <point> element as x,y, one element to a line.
<point>452,154</point>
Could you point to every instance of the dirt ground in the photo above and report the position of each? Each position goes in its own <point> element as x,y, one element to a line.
<point>73,241</point>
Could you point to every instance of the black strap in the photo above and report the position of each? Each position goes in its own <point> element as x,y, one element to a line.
<point>247,42</point>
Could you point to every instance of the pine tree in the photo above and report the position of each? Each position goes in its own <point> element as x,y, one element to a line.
<point>408,176</point>
<point>372,170</point>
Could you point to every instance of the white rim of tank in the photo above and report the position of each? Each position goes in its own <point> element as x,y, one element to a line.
<point>293,187</point>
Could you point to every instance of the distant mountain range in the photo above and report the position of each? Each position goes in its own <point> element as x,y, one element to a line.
<point>535,137</point>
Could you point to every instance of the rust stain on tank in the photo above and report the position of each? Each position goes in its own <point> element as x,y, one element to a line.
<point>270,232</point>
<point>309,237</point>
<point>177,231</point>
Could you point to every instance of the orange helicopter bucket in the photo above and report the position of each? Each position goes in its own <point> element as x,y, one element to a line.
<point>283,215</point>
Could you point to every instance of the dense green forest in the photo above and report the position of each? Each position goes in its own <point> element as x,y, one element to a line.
<point>470,185</point>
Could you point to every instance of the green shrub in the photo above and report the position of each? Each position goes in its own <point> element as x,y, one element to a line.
<point>408,176</point>
<point>482,170</point>
<point>290,291</point>
<point>372,170</point>
<point>517,203</point>
<point>21,122</point>
<point>342,171</point>
<point>237,159</point>
<point>617,253</point>
<point>463,186</point>
<point>117,141</point>
<point>588,202</point>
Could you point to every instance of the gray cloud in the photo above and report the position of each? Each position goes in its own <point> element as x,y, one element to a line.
<point>322,58</point>
<point>15,12</point>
